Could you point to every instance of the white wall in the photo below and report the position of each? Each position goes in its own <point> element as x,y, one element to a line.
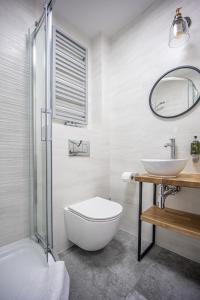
<point>16,16</point>
<point>122,129</point>
<point>140,55</point>
<point>79,178</point>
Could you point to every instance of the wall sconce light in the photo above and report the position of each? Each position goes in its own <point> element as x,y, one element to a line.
<point>179,31</point>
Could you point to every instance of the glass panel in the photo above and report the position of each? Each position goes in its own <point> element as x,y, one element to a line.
<point>41,44</point>
<point>40,144</point>
<point>49,44</point>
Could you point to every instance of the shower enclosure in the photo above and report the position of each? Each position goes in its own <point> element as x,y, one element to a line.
<point>41,127</point>
<point>28,272</point>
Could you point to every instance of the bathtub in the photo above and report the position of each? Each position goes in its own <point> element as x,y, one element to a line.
<point>26,275</point>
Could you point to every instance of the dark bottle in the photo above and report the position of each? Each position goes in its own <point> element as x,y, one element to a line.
<point>195,146</point>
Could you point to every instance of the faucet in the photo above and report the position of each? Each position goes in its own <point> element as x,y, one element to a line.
<point>165,191</point>
<point>173,148</point>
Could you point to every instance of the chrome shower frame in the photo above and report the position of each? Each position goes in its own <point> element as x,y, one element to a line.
<point>46,21</point>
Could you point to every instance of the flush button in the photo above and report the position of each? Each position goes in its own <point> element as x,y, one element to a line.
<point>78,148</point>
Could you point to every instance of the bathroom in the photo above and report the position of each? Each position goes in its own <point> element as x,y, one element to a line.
<point>57,152</point>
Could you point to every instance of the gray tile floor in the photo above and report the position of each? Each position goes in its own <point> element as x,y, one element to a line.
<point>114,273</point>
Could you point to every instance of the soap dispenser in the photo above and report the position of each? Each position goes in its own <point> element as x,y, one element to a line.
<point>195,149</point>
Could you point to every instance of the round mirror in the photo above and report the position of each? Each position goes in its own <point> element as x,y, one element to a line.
<point>176,92</point>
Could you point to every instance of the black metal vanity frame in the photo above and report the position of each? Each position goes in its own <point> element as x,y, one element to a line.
<point>176,220</point>
<point>140,253</point>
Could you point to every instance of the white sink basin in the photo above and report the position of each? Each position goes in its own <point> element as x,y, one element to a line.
<point>164,167</point>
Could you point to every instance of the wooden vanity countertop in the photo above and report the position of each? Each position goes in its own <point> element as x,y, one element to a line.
<point>183,179</point>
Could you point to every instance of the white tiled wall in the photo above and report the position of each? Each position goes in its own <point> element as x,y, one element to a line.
<point>16,16</point>
<point>79,178</point>
<point>122,129</point>
<point>140,55</point>
<point>76,178</point>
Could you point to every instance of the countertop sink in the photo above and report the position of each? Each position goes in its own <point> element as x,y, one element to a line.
<point>164,167</point>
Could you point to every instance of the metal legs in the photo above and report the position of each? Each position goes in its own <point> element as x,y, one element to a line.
<point>141,255</point>
<point>154,203</point>
<point>139,222</point>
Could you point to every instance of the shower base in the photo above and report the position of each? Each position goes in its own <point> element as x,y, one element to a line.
<point>25,273</point>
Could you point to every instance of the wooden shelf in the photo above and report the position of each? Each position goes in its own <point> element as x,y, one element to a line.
<point>183,179</point>
<point>175,220</point>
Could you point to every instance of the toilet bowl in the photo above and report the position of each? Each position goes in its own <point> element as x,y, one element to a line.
<point>91,224</point>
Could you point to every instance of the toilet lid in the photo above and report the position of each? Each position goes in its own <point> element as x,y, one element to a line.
<point>97,209</point>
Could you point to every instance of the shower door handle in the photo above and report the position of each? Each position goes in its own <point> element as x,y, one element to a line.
<point>45,121</point>
<point>43,125</point>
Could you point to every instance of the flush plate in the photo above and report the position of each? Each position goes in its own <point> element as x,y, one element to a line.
<point>78,148</point>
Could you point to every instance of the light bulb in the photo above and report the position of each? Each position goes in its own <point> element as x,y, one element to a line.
<point>179,31</point>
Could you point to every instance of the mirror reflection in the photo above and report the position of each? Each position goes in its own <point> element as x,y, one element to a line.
<point>176,92</point>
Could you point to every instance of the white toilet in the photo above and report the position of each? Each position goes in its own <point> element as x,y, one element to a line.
<point>91,224</point>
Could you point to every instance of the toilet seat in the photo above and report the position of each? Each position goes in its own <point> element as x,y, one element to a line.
<point>92,224</point>
<point>94,220</point>
<point>96,209</point>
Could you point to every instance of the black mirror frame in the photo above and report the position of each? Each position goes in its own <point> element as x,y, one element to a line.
<point>159,79</point>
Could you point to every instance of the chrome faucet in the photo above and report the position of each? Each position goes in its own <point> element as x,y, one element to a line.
<point>173,148</point>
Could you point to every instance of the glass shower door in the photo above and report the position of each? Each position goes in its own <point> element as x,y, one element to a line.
<point>42,144</point>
